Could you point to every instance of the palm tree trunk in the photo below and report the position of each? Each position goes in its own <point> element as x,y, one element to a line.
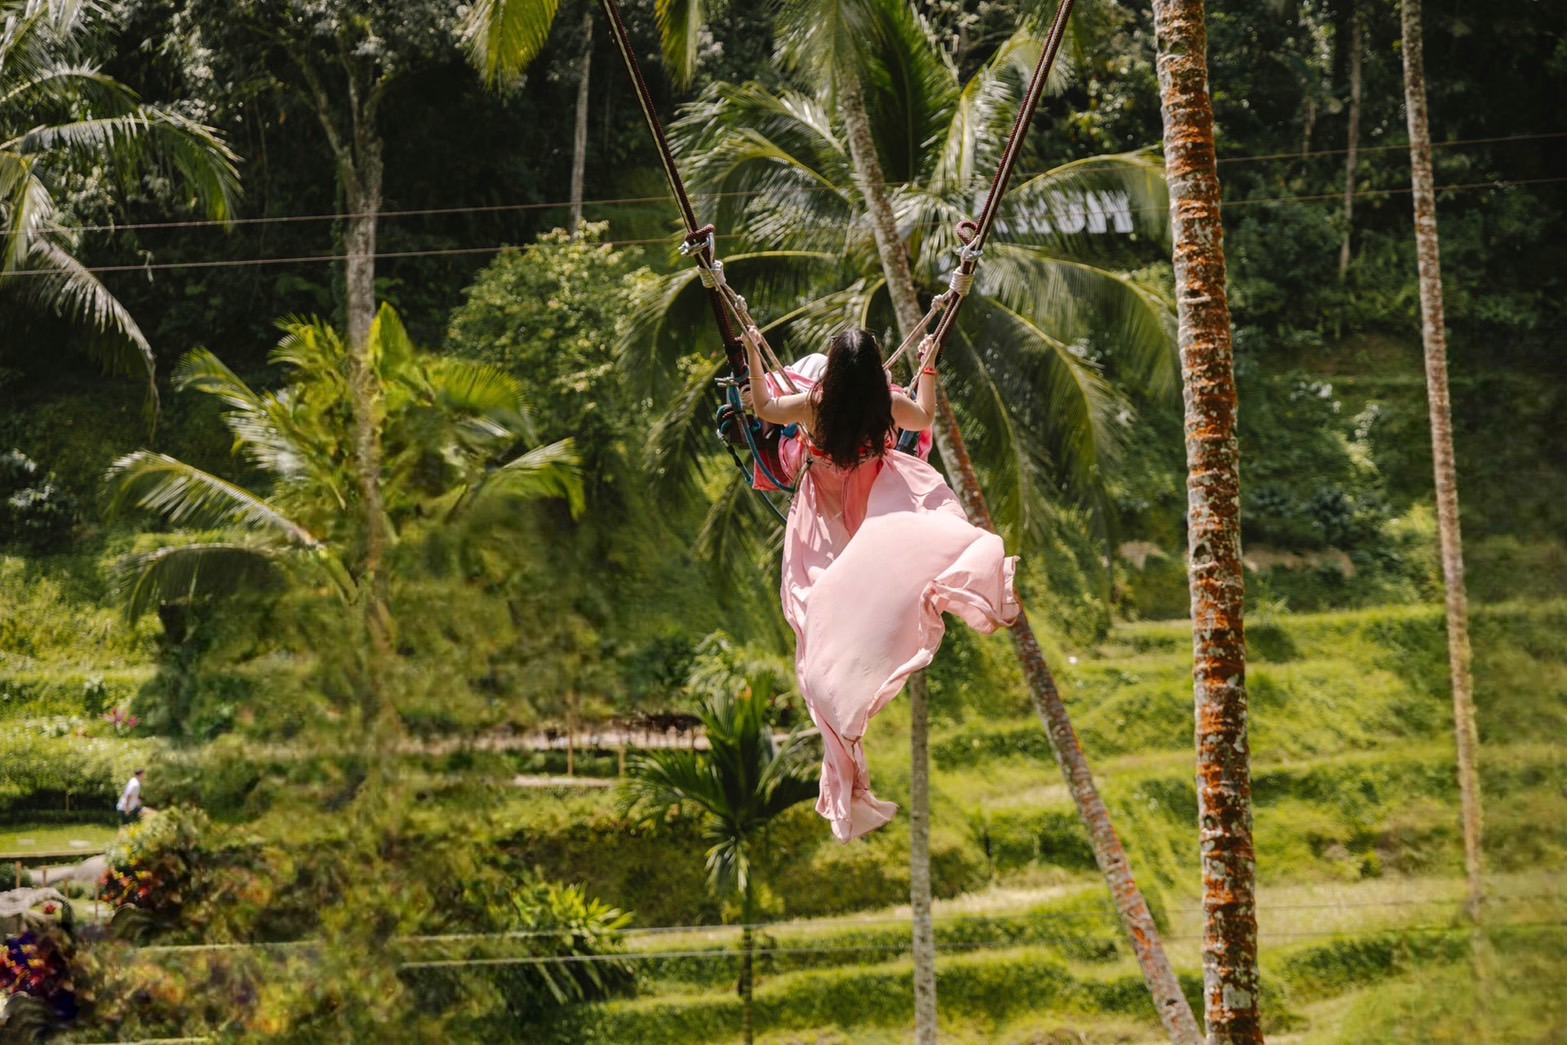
<point>747,970</point>
<point>1434,334</point>
<point>919,863</point>
<point>900,282</point>
<point>1213,528</point>
<point>364,203</point>
<point>1353,148</point>
<point>1170,1002</point>
<point>357,149</point>
<point>579,144</point>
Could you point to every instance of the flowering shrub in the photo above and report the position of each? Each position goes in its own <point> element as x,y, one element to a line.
<point>121,719</point>
<point>35,964</point>
<point>151,861</point>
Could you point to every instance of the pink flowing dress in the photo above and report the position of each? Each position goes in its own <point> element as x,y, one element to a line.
<point>873,555</point>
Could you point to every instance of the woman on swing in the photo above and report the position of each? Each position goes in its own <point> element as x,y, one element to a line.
<point>876,549</point>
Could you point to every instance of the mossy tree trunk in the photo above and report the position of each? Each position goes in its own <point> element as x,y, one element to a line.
<point>1352,147</point>
<point>1230,979</point>
<point>579,142</point>
<point>1434,336</point>
<point>357,149</point>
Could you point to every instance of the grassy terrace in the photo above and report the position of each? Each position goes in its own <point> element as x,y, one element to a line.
<point>1355,827</point>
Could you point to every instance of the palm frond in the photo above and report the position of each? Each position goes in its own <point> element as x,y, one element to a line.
<point>1014,459</point>
<point>1045,405</point>
<point>185,495</point>
<point>58,280</point>
<point>544,472</point>
<point>1063,209</point>
<point>184,571</point>
<point>56,83</point>
<point>739,538</point>
<point>28,211</point>
<point>264,424</point>
<point>192,150</point>
<point>910,90</point>
<point>487,400</point>
<point>1132,324</point>
<point>503,37</point>
<point>681,440</point>
<point>825,40</point>
<point>680,25</point>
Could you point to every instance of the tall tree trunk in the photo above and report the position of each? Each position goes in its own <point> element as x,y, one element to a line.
<point>1434,335</point>
<point>924,943</point>
<point>1352,157</point>
<point>579,144</point>
<point>357,149</point>
<point>364,204</point>
<point>1213,528</point>
<point>1171,1004</point>
<point>900,282</point>
<point>747,969</point>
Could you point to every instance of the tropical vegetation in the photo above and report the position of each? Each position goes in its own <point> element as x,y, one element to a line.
<point>449,638</point>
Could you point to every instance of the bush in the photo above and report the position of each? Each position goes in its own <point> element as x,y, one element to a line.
<point>56,764</point>
<point>34,510</point>
<point>152,860</point>
<point>54,692</point>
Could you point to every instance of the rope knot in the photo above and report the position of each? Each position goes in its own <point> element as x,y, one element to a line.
<point>711,276</point>
<point>961,282</point>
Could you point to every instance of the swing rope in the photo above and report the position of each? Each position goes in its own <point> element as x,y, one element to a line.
<point>698,240</point>
<point>700,244</point>
<point>973,234</point>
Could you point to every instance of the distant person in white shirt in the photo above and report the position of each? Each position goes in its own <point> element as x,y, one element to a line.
<point>129,805</point>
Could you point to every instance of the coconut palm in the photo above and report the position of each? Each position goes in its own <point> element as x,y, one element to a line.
<point>738,787</point>
<point>450,431</point>
<point>63,120</point>
<point>1027,366</point>
<point>503,37</point>
<point>1218,587</point>
<point>1433,330</point>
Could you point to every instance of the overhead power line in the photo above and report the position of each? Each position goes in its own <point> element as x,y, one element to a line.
<point>221,263</point>
<point>614,201</point>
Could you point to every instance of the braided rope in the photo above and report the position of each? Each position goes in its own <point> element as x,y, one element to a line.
<point>703,251</point>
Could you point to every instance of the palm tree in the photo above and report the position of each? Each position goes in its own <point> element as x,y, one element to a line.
<point>60,114</point>
<point>739,786</point>
<point>803,225</point>
<point>447,424</point>
<point>503,37</point>
<point>816,186</point>
<point>1213,528</point>
<point>1434,336</point>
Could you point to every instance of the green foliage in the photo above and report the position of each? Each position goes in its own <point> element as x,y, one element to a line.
<point>550,315</point>
<point>56,764</point>
<point>990,988</point>
<point>151,864</point>
<point>68,128</point>
<point>34,511</point>
<point>1430,993</point>
<point>739,785</point>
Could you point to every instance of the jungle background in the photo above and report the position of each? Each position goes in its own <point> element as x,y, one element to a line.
<point>558,623</point>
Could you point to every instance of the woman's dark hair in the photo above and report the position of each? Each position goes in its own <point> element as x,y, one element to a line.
<point>853,405</point>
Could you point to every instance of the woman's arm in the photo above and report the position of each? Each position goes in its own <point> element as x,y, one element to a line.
<point>780,410</point>
<point>916,415</point>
